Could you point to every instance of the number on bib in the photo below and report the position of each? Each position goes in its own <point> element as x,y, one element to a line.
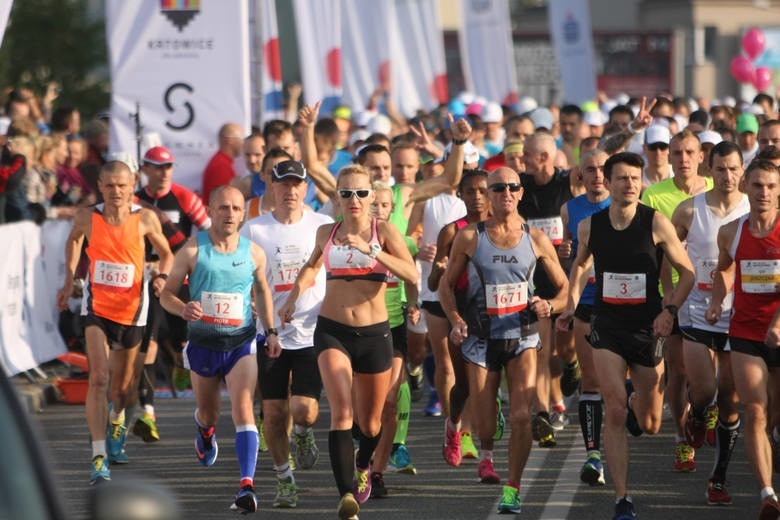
<point>552,227</point>
<point>222,308</point>
<point>705,273</point>
<point>114,277</point>
<point>625,288</point>
<point>506,298</point>
<point>760,276</point>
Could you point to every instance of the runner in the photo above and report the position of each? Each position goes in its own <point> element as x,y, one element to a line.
<point>628,320</point>
<point>115,305</point>
<point>352,336</point>
<point>500,256</point>
<point>223,269</point>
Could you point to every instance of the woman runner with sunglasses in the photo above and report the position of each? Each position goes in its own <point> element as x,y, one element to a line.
<point>352,337</point>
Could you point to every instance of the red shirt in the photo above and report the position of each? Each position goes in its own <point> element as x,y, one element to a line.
<point>219,171</point>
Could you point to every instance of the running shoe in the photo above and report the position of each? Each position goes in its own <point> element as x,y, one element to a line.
<point>348,507</point>
<point>452,447</point>
<point>378,489</point>
<point>261,444</point>
<point>695,430</point>
<point>632,425</point>
<point>559,419</point>
<point>543,432</point>
<point>711,418</point>
<point>624,510</point>
<point>592,472</point>
<point>181,378</point>
<point>510,501</point>
<point>400,461</point>
<point>146,428</point>
<point>684,461</point>
<point>206,448</point>
<point>361,484</point>
<point>716,493</point>
<point>100,472</point>
<point>500,421</point>
<point>433,408</point>
<point>246,500</point>
<point>487,472</point>
<point>769,509</point>
<point>571,378</point>
<point>467,448</point>
<point>306,451</point>
<point>116,436</point>
<point>416,383</point>
<point>286,494</point>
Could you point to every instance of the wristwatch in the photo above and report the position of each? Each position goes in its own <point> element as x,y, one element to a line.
<point>374,251</point>
<point>270,331</point>
<point>672,309</point>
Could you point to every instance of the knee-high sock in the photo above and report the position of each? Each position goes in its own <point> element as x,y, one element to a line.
<point>591,412</point>
<point>404,408</point>
<point>429,368</point>
<point>146,386</point>
<point>366,449</point>
<point>726,438</point>
<point>342,460</point>
<point>246,449</point>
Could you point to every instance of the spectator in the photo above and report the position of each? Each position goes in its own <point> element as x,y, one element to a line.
<point>219,170</point>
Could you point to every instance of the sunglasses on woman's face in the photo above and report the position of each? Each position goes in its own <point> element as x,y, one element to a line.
<point>501,187</point>
<point>348,194</point>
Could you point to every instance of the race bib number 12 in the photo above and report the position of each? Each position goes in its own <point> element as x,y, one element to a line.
<point>222,308</point>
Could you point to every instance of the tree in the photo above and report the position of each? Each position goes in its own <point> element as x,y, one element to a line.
<point>56,40</point>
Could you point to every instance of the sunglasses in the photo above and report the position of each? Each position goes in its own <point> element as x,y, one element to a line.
<point>657,146</point>
<point>500,187</point>
<point>348,194</point>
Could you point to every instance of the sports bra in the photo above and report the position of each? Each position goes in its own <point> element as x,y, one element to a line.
<point>347,263</point>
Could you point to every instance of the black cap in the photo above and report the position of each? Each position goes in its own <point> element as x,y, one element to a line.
<point>288,170</point>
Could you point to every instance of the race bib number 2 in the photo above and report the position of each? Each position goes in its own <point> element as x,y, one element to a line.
<point>506,298</point>
<point>114,277</point>
<point>760,276</point>
<point>625,288</point>
<point>222,308</point>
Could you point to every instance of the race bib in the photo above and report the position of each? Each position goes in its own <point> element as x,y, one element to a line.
<point>592,273</point>
<point>345,257</point>
<point>222,308</point>
<point>392,281</point>
<point>552,227</point>
<point>705,273</point>
<point>174,215</point>
<point>625,288</point>
<point>114,277</point>
<point>506,298</point>
<point>760,276</point>
<point>284,274</point>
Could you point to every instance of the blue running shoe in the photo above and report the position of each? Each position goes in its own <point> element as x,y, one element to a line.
<point>206,448</point>
<point>624,509</point>
<point>116,436</point>
<point>433,409</point>
<point>592,472</point>
<point>246,500</point>
<point>400,461</point>
<point>100,472</point>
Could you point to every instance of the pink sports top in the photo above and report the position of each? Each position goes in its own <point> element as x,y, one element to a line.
<point>347,263</point>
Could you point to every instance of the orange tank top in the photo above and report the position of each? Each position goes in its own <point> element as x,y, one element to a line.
<point>116,289</point>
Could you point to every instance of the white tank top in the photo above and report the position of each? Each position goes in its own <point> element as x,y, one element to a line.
<point>439,211</point>
<point>702,247</point>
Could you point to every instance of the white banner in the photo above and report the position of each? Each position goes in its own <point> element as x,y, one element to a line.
<point>419,68</point>
<point>186,62</point>
<point>5,10</point>
<point>573,39</point>
<point>270,70</point>
<point>369,37</point>
<point>486,50</point>
<point>28,317</point>
<point>318,26</point>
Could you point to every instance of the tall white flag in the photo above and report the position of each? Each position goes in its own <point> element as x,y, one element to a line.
<point>318,26</point>
<point>573,39</point>
<point>270,64</point>
<point>486,50</point>
<point>419,69</point>
<point>5,10</point>
<point>186,63</point>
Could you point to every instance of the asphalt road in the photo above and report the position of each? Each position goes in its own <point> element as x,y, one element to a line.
<point>550,488</point>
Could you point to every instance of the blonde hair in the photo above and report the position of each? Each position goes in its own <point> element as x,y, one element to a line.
<point>353,169</point>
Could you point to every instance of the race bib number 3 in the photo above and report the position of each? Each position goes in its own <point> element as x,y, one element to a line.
<point>705,272</point>
<point>625,288</point>
<point>222,308</point>
<point>114,277</point>
<point>552,227</point>
<point>760,276</point>
<point>506,298</point>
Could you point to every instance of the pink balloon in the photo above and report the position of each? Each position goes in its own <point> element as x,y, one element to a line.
<point>762,79</point>
<point>753,42</point>
<point>742,69</point>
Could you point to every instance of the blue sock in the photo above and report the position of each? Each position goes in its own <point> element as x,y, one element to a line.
<point>429,368</point>
<point>246,449</point>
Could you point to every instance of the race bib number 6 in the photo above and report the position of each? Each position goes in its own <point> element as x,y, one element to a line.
<point>705,272</point>
<point>760,276</point>
<point>222,308</point>
<point>506,298</point>
<point>114,277</point>
<point>625,288</point>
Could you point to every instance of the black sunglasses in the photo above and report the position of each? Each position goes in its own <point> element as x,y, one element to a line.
<point>500,187</point>
<point>657,146</point>
<point>348,194</point>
